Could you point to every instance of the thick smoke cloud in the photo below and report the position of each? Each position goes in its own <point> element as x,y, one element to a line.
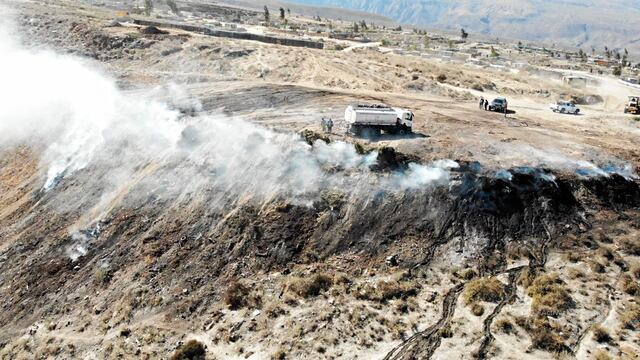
<point>87,126</point>
<point>115,141</point>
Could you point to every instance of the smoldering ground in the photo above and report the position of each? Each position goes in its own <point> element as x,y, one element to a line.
<point>104,149</point>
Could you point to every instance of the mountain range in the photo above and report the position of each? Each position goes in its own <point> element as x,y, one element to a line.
<point>576,23</point>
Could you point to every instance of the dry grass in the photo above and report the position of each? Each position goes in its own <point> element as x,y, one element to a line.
<point>596,267</point>
<point>446,332</point>
<point>631,246</point>
<point>192,350</point>
<point>384,291</point>
<point>102,276</point>
<point>635,271</point>
<point>483,289</point>
<point>279,354</point>
<point>630,317</point>
<point>605,253</point>
<point>477,309</point>
<point>601,334</point>
<point>504,325</point>
<point>239,295</point>
<point>573,256</point>
<point>550,297</point>
<point>526,277</point>
<point>310,286</point>
<point>466,274</point>
<point>629,286</point>
<point>601,355</point>
<point>544,334</point>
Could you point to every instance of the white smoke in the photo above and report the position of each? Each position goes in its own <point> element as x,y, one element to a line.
<point>419,176</point>
<point>112,141</point>
<point>601,164</point>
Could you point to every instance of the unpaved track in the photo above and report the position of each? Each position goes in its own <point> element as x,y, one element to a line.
<point>511,288</point>
<point>422,345</point>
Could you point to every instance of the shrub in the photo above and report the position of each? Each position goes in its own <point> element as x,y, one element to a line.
<point>601,355</point>
<point>630,318</point>
<point>573,256</point>
<point>629,286</point>
<point>546,339</point>
<point>360,148</point>
<point>601,334</point>
<point>526,277</point>
<point>467,274</point>
<point>635,271</point>
<point>192,350</point>
<point>605,253</point>
<point>504,325</point>
<point>631,246</point>
<point>477,309</point>
<point>311,286</point>
<point>102,276</point>
<point>386,290</point>
<point>279,355</point>
<point>549,295</point>
<point>484,289</point>
<point>596,267</point>
<point>441,78</point>
<point>237,296</point>
<point>477,87</point>
<point>445,332</point>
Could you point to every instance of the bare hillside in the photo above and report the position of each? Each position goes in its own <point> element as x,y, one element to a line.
<point>168,192</point>
<point>579,24</point>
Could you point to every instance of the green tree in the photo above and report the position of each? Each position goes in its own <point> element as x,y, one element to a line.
<point>282,13</point>
<point>617,71</point>
<point>494,53</point>
<point>267,16</point>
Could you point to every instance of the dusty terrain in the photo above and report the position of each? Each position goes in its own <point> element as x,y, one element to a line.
<point>527,248</point>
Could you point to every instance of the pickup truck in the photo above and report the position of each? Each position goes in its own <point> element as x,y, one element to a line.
<point>565,107</point>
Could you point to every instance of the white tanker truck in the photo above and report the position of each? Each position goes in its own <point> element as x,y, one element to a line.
<point>371,119</point>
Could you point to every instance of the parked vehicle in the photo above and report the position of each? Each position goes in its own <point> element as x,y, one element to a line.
<point>371,119</point>
<point>565,107</point>
<point>499,104</point>
<point>632,106</point>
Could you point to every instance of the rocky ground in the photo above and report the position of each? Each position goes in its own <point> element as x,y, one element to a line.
<point>529,249</point>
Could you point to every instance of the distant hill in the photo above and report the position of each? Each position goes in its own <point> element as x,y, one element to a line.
<point>310,10</point>
<point>579,23</point>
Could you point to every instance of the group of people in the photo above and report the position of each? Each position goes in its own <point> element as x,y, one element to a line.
<point>484,103</point>
<point>327,125</point>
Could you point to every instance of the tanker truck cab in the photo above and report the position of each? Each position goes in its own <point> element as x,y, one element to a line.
<point>405,119</point>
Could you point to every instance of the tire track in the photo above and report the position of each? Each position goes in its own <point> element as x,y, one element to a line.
<point>422,345</point>
<point>488,337</point>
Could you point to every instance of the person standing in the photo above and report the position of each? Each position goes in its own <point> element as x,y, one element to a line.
<point>486,104</point>
<point>329,125</point>
<point>481,102</point>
